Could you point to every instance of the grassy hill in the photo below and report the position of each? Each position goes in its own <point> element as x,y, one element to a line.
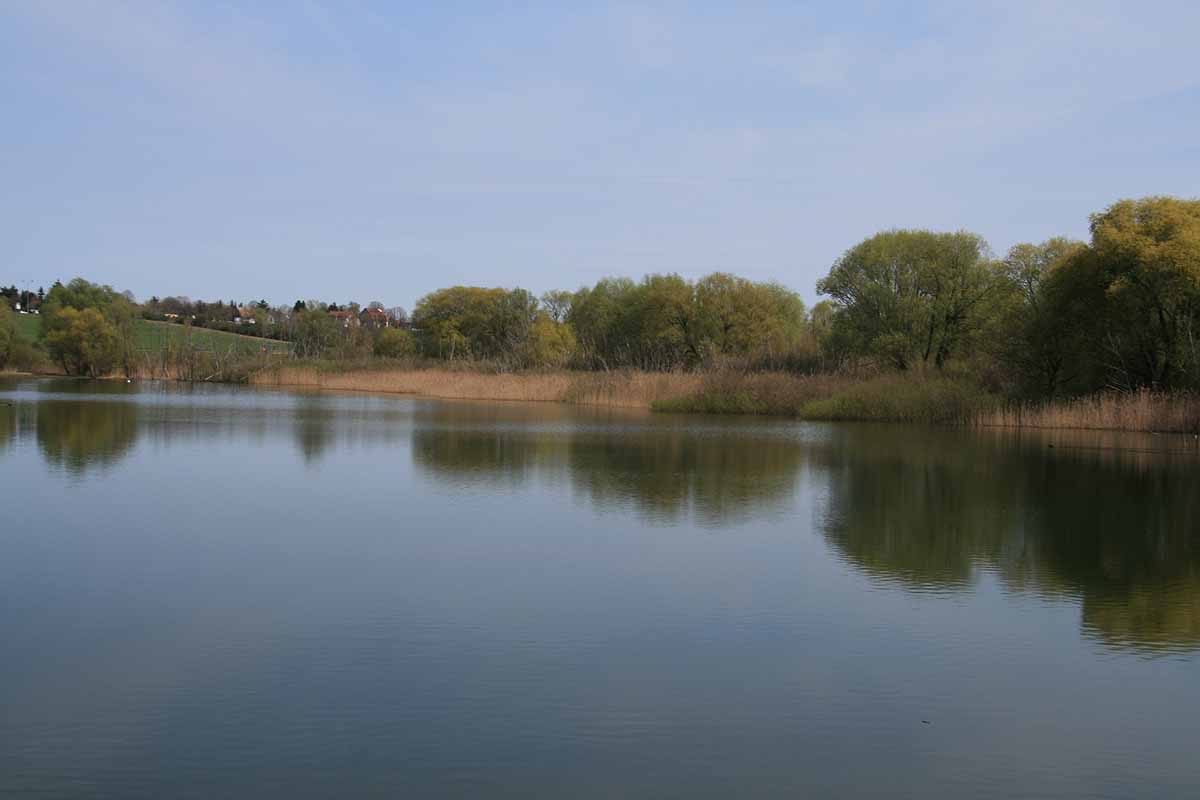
<point>154,336</point>
<point>28,326</point>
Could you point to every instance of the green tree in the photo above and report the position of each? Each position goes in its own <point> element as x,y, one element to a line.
<point>313,333</point>
<point>111,324</point>
<point>394,343</point>
<point>740,317</point>
<point>8,335</point>
<point>910,297</point>
<point>602,318</point>
<point>84,342</point>
<point>551,343</point>
<point>1148,251</point>
<point>475,322</point>
<point>820,321</point>
<point>1039,330</point>
<point>668,331</point>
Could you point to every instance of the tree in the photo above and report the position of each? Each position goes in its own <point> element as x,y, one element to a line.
<point>740,317</point>
<point>314,333</point>
<point>111,324</point>
<point>8,335</point>
<point>474,322</point>
<point>398,316</point>
<point>394,343</point>
<point>1036,327</point>
<point>551,343</point>
<point>907,297</point>
<point>602,318</point>
<point>557,304</point>
<point>1148,251</point>
<point>84,342</point>
<point>669,333</point>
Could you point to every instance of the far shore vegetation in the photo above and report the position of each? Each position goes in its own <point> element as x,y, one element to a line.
<point>917,326</point>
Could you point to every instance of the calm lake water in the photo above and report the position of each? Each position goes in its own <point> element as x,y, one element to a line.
<point>222,592</point>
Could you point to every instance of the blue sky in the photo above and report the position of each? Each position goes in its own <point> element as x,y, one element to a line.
<point>376,151</point>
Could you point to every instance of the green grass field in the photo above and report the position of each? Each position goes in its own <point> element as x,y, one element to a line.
<point>154,335</point>
<point>28,326</point>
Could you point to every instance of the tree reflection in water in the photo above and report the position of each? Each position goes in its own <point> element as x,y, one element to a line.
<point>1111,520</point>
<point>82,436</point>
<point>717,474</point>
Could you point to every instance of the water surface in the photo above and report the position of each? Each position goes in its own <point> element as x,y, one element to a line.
<point>222,592</point>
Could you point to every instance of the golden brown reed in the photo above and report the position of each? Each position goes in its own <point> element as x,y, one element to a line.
<point>1151,412</point>
<point>881,398</point>
<point>617,389</point>
<point>629,388</point>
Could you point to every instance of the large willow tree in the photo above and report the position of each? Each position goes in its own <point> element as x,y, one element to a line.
<point>909,297</point>
<point>1148,254</point>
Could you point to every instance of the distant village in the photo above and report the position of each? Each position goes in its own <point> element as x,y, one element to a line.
<point>23,301</point>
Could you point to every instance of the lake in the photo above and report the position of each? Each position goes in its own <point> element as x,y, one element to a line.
<point>225,592</point>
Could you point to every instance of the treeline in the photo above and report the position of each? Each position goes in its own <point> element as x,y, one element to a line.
<point>87,329</point>
<point>1052,319</point>
<point>1121,311</point>
<point>1046,320</point>
<point>662,322</point>
<point>256,318</point>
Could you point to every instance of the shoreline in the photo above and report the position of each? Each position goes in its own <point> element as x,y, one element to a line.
<point>819,398</point>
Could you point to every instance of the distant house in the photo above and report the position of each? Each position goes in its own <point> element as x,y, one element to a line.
<point>346,319</point>
<point>374,318</point>
<point>30,306</point>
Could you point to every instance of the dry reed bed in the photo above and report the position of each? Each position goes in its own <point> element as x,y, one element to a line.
<point>616,389</point>
<point>886,398</point>
<point>1146,411</point>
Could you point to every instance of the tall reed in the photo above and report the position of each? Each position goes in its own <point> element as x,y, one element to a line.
<point>1156,412</point>
<point>625,389</point>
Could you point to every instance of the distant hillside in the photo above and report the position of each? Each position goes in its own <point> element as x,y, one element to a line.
<point>154,335</point>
